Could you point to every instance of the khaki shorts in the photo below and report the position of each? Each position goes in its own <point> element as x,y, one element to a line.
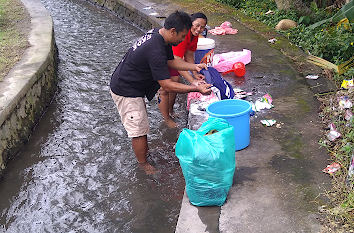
<point>133,114</point>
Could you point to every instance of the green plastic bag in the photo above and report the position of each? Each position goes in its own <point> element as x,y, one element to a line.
<point>207,161</point>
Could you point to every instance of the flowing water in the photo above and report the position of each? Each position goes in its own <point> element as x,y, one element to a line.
<point>78,172</point>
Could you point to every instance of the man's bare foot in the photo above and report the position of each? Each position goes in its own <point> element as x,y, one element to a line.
<point>171,124</point>
<point>147,168</point>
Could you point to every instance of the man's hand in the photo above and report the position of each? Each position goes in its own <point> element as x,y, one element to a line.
<point>197,82</point>
<point>199,67</point>
<point>204,89</point>
<point>198,76</point>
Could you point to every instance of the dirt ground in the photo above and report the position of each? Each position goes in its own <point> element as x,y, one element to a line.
<point>15,26</point>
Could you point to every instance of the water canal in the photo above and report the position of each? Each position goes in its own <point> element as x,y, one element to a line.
<point>78,172</point>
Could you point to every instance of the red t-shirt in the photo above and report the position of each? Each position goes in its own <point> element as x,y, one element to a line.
<point>189,43</point>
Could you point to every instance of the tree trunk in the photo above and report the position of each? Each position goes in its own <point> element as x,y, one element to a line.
<point>293,4</point>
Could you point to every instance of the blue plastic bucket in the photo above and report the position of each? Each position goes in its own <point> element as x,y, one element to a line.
<point>205,51</point>
<point>237,113</point>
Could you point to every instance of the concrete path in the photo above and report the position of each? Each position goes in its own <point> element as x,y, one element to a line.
<point>278,178</point>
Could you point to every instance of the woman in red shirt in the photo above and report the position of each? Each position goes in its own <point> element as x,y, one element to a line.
<point>184,50</point>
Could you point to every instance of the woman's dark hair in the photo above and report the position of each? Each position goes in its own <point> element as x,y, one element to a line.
<point>178,20</point>
<point>199,15</point>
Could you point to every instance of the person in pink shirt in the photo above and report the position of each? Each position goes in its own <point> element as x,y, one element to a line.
<point>185,50</point>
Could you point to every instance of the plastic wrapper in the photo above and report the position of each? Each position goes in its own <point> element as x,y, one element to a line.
<point>332,168</point>
<point>263,103</point>
<point>348,115</point>
<point>268,122</point>
<point>351,168</point>
<point>346,84</point>
<point>207,158</point>
<point>333,133</point>
<point>344,102</point>
<point>313,77</point>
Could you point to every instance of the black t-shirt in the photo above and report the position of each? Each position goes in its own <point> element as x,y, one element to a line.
<point>142,66</point>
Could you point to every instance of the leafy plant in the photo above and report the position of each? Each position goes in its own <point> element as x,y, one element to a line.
<point>347,11</point>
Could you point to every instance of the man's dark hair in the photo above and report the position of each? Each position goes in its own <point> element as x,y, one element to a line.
<point>178,20</point>
<point>199,15</point>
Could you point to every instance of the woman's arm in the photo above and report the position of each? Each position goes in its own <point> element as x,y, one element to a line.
<point>179,64</point>
<point>189,57</point>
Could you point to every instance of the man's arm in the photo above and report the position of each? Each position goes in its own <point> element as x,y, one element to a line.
<point>171,86</point>
<point>179,64</point>
<point>189,57</point>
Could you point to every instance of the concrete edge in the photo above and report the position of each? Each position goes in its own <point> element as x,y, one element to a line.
<point>133,11</point>
<point>28,88</point>
<point>23,75</point>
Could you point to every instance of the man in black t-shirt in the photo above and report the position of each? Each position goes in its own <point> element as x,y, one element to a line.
<point>142,71</point>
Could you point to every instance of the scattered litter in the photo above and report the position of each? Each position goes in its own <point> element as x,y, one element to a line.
<point>258,105</point>
<point>268,122</point>
<point>272,41</point>
<point>351,168</point>
<point>224,29</point>
<point>270,12</point>
<point>314,77</point>
<point>332,168</point>
<point>147,8</point>
<point>267,98</point>
<point>344,102</point>
<point>346,84</point>
<point>223,62</point>
<point>278,126</point>
<point>241,94</point>
<point>348,115</point>
<point>333,133</point>
<point>264,103</point>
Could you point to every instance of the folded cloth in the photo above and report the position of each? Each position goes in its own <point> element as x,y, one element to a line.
<point>224,29</point>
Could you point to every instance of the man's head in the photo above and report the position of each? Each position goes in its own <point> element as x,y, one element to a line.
<point>177,24</point>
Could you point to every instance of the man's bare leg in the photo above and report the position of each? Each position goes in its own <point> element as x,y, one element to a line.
<point>140,147</point>
<point>171,102</point>
<point>172,97</point>
<point>164,108</point>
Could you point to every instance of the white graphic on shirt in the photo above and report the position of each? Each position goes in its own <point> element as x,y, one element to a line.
<point>142,40</point>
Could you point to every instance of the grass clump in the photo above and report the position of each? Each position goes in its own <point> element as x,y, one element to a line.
<point>341,207</point>
<point>13,29</point>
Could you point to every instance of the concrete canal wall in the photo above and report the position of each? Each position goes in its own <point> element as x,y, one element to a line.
<point>29,87</point>
<point>135,12</point>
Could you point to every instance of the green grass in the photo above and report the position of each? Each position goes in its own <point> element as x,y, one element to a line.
<point>12,38</point>
<point>326,41</point>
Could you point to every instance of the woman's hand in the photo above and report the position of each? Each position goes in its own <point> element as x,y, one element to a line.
<point>199,67</point>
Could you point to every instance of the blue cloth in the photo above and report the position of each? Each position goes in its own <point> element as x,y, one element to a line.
<point>212,76</point>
